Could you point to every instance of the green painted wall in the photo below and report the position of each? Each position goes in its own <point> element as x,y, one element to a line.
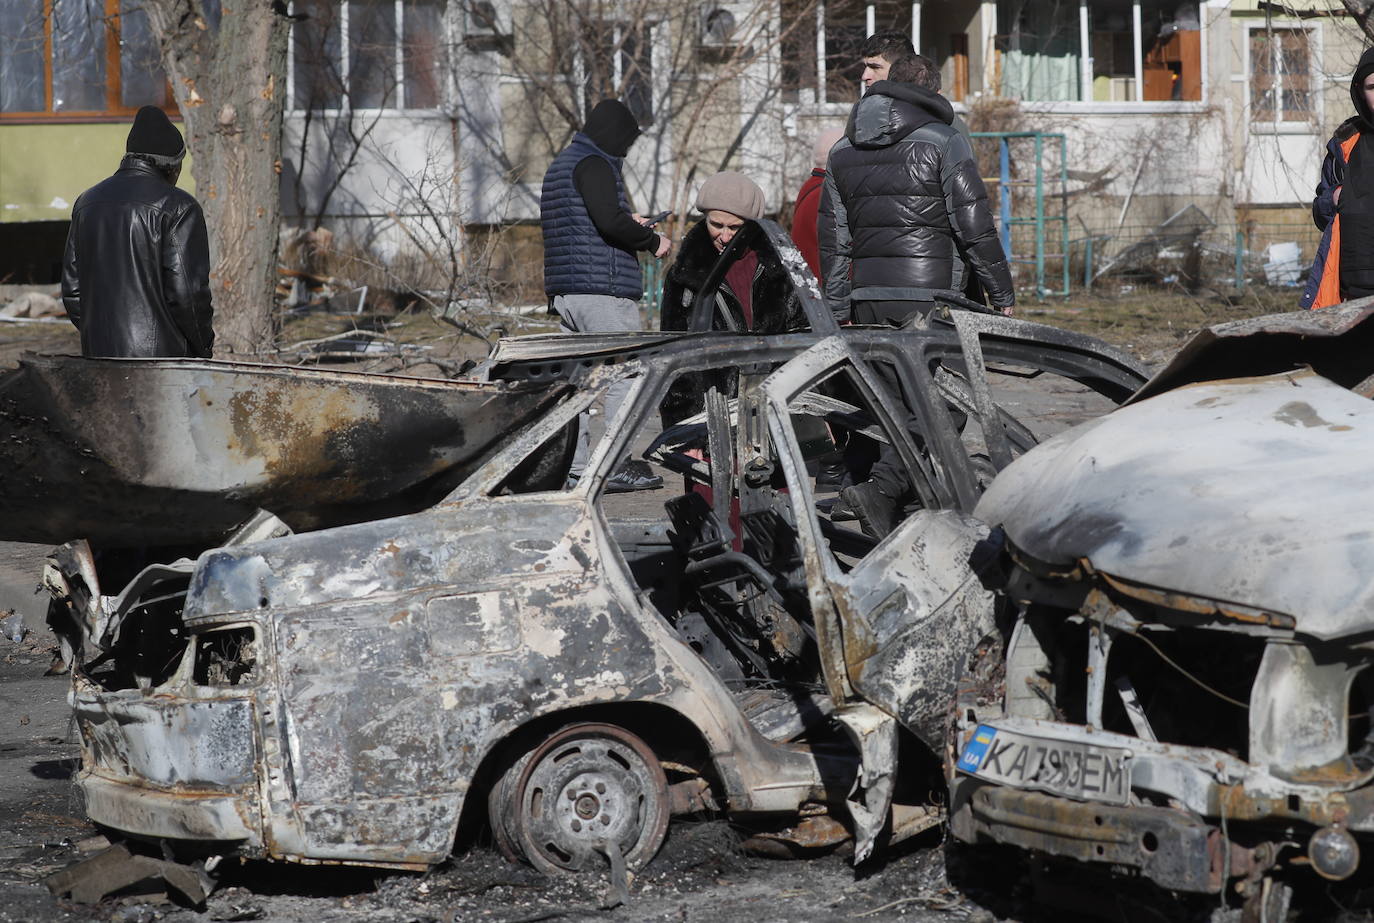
<point>43,168</point>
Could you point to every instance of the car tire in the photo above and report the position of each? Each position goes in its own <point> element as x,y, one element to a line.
<point>584,790</point>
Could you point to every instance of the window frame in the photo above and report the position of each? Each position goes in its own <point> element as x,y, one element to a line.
<point>817,103</point>
<point>398,108</point>
<point>1278,126</point>
<point>1138,106</point>
<point>115,110</point>
<point>983,76</point>
<point>645,49</point>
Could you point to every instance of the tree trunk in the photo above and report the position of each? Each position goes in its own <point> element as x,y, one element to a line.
<point>229,82</point>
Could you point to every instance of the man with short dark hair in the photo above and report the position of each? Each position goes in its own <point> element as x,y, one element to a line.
<point>917,69</point>
<point>879,51</point>
<point>136,273</point>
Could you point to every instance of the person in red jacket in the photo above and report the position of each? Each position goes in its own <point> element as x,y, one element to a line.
<point>809,202</point>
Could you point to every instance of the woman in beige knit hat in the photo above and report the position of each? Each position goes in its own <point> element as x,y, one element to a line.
<point>756,294</point>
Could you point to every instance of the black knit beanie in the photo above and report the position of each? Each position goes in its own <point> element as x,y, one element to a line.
<point>154,135</point>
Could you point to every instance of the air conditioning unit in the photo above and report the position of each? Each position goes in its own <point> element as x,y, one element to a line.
<point>718,28</point>
<point>484,29</point>
<point>717,40</point>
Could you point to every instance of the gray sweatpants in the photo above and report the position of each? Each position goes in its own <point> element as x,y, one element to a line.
<point>596,314</point>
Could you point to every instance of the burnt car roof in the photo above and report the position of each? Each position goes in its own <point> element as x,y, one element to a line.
<point>996,339</point>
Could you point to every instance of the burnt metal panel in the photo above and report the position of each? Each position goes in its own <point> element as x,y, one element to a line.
<point>912,612</point>
<point>230,819</point>
<point>1336,342</point>
<point>166,739</point>
<point>132,452</point>
<point>1166,846</point>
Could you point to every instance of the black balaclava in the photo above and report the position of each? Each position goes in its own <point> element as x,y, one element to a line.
<point>612,127</point>
<point>1362,70</point>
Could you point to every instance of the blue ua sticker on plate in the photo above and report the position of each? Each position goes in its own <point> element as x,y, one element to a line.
<point>977,748</point>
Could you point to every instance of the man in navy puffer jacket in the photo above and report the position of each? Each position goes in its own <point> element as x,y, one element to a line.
<point>591,273</point>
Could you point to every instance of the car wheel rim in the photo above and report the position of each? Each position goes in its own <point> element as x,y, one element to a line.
<point>586,790</point>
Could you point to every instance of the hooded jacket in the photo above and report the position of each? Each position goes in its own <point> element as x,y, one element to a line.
<point>136,272</point>
<point>1344,264</point>
<point>904,206</point>
<point>579,258</point>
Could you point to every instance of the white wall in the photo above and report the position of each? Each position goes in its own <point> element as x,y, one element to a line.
<point>397,168</point>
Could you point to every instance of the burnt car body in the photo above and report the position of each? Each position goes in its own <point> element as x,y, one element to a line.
<point>1185,690</point>
<point>569,665</point>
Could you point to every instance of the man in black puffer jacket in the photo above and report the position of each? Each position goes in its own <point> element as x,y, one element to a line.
<point>903,212</point>
<point>903,201</point>
<point>136,274</point>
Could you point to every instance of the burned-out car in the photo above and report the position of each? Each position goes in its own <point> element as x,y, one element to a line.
<point>570,666</point>
<point>1186,690</point>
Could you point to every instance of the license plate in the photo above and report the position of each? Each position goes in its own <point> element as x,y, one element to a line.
<point>1060,767</point>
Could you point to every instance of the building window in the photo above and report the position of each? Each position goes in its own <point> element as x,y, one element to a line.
<point>1280,75</point>
<point>367,54</point>
<point>1039,50</point>
<point>617,63</point>
<point>78,58</point>
<point>1135,50</point>
<point>1171,37</point>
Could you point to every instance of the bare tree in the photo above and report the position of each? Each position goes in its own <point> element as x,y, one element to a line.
<point>227,70</point>
<point>700,76</point>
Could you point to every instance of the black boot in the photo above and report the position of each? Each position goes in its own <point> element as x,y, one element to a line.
<point>878,513</point>
<point>832,475</point>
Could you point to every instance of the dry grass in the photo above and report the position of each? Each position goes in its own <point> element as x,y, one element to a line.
<point>1150,324</point>
<point>1154,324</point>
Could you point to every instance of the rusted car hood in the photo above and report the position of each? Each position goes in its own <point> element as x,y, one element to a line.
<point>131,452</point>
<point>1256,491</point>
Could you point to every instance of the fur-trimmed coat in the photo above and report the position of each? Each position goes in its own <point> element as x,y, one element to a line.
<point>775,307</point>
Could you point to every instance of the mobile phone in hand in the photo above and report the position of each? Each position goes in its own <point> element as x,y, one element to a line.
<point>655,219</point>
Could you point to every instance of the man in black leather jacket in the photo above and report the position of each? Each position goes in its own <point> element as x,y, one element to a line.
<point>136,274</point>
<point>902,201</point>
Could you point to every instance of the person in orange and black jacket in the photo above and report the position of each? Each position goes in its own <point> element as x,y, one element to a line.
<point>1344,206</point>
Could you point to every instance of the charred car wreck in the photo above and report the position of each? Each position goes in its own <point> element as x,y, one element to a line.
<point>1186,693</point>
<point>569,666</point>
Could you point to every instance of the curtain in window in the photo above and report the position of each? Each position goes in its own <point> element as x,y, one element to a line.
<point>1041,58</point>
